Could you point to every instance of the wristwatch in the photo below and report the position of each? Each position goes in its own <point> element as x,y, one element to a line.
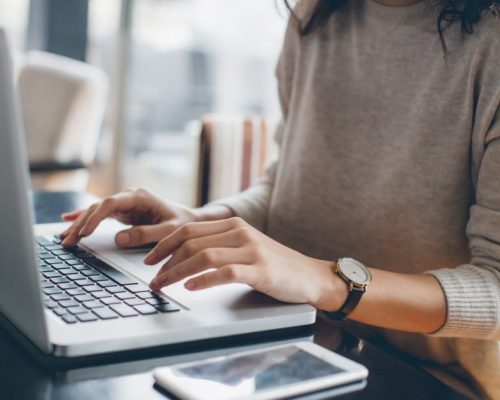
<point>358,277</point>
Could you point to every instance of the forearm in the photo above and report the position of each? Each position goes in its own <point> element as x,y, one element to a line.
<point>413,303</point>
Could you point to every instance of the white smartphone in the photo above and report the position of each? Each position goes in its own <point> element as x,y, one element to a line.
<point>270,373</point>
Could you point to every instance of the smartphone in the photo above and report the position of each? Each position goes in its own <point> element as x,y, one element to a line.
<point>271,373</point>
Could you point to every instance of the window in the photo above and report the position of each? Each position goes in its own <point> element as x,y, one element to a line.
<point>187,58</point>
<point>13,18</point>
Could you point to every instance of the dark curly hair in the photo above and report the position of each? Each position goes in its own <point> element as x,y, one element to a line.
<point>468,12</point>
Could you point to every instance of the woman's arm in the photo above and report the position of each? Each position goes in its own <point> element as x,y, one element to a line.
<point>233,251</point>
<point>404,302</point>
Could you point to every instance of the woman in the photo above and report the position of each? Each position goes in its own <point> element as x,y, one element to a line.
<point>390,155</point>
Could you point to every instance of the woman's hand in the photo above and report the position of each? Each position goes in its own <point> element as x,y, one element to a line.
<point>230,251</point>
<point>152,218</point>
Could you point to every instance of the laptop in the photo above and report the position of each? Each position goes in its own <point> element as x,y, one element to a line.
<point>94,299</point>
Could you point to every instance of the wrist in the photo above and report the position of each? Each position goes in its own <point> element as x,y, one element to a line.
<point>212,212</point>
<point>333,290</point>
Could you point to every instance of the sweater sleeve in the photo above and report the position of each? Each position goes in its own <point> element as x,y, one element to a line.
<point>473,290</point>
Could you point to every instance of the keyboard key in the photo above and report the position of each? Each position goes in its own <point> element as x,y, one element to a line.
<point>92,288</point>
<point>52,261</point>
<point>52,290</point>
<point>74,277</point>
<point>60,252</point>
<point>134,302</point>
<point>137,288</point>
<point>77,310</point>
<point>145,309</point>
<point>67,286</point>
<point>124,310</point>
<point>167,308</point>
<point>68,303</point>
<point>59,311</point>
<point>105,313</point>
<point>60,297</point>
<point>66,271</point>
<point>82,267</point>
<point>51,274</point>
<point>76,292</point>
<point>157,301</point>
<point>44,255</point>
<point>112,300</point>
<point>124,296</point>
<point>107,283</point>
<point>60,280</point>
<point>52,246</point>
<point>45,269</point>
<point>98,278</point>
<point>87,317</point>
<point>83,282</point>
<point>93,304</point>
<point>73,261</point>
<point>77,250</point>
<point>58,267</point>
<point>84,297</point>
<point>46,285</point>
<point>115,289</point>
<point>51,304</point>
<point>69,319</point>
<point>146,295</point>
<point>89,272</point>
<point>101,294</point>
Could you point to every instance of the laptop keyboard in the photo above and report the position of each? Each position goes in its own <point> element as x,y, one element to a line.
<point>79,287</point>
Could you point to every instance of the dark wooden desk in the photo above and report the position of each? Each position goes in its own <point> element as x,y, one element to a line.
<point>128,376</point>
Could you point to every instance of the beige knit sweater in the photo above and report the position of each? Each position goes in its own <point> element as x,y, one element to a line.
<point>391,154</point>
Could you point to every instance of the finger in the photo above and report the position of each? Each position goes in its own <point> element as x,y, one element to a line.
<point>103,211</point>
<point>71,236</point>
<point>194,246</point>
<point>232,273</point>
<point>187,232</point>
<point>206,259</point>
<point>144,234</point>
<point>72,215</point>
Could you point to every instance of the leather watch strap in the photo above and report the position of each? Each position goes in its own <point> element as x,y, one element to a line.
<point>349,305</point>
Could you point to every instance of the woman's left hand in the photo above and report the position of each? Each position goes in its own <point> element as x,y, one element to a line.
<point>232,251</point>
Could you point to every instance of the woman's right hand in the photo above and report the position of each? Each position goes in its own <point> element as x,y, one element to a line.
<point>151,218</point>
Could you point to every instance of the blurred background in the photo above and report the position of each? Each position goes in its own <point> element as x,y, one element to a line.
<point>113,92</point>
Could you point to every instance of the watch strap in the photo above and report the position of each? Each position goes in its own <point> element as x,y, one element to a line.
<point>350,303</point>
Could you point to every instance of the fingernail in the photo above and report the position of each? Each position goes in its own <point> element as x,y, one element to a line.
<point>123,238</point>
<point>190,285</point>
<point>148,259</point>
<point>82,233</point>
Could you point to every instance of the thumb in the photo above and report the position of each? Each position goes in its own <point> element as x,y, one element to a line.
<point>143,234</point>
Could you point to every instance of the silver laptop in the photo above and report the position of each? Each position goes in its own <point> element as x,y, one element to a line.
<point>94,299</point>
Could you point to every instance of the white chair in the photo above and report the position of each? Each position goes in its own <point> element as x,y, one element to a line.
<point>63,103</point>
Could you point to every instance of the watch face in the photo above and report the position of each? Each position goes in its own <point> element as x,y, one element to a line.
<point>355,271</point>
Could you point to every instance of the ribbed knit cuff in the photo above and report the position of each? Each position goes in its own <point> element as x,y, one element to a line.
<point>244,210</point>
<point>251,205</point>
<point>472,301</point>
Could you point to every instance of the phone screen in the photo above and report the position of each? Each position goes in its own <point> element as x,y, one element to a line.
<point>251,373</point>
